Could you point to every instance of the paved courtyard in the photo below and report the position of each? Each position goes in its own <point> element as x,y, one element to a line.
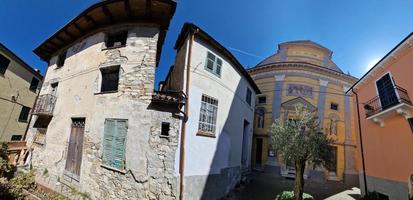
<point>264,187</point>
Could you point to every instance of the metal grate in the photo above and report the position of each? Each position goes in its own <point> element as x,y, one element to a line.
<point>208,115</point>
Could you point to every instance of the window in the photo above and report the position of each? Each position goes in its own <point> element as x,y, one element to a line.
<point>4,63</point>
<point>110,79</point>
<point>262,100</point>
<point>165,129</point>
<point>208,115</point>
<point>34,84</point>
<point>61,59</point>
<point>16,137</point>
<point>260,117</point>
<point>334,106</point>
<point>411,123</point>
<point>213,64</point>
<point>114,143</point>
<point>248,97</point>
<point>116,39</point>
<point>24,114</point>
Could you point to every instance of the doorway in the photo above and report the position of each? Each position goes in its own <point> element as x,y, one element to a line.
<point>245,144</point>
<point>258,153</point>
<point>74,152</point>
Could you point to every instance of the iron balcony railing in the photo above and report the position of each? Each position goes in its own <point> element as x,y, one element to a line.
<point>45,105</point>
<point>381,103</point>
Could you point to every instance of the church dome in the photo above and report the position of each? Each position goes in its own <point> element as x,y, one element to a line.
<point>302,51</point>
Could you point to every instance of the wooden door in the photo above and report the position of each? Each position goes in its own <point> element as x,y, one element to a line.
<point>74,153</point>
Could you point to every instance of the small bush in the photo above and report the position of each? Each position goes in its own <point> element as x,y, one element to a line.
<point>289,195</point>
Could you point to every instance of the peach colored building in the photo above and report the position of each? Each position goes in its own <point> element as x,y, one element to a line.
<point>386,123</point>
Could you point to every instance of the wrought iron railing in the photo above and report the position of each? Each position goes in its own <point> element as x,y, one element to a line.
<point>381,103</point>
<point>45,104</point>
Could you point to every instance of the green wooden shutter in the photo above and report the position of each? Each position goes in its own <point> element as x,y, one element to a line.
<point>114,143</point>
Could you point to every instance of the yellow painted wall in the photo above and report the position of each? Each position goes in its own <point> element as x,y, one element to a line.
<point>15,82</point>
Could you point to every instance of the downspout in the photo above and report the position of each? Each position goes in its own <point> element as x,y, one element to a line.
<point>186,111</point>
<point>361,141</point>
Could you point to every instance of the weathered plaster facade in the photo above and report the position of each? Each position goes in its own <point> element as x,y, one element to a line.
<point>302,72</point>
<point>149,158</point>
<point>14,94</point>
<point>146,165</point>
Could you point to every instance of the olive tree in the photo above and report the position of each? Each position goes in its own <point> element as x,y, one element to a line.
<point>299,141</point>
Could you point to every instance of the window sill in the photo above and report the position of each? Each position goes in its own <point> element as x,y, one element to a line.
<point>115,47</point>
<point>122,171</point>
<point>206,134</point>
<point>106,92</point>
<point>164,136</point>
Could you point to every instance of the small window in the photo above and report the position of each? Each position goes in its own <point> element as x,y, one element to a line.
<point>61,59</point>
<point>334,106</point>
<point>248,97</point>
<point>24,114</point>
<point>4,63</point>
<point>34,84</point>
<point>262,100</point>
<point>16,137</point>
<point>165,129</point>
<point>411,123</point>
<point>116,39</point>
<point>213,64</point>
<point>114,143</point>
<point>110,79</point>
<point>208,115</point>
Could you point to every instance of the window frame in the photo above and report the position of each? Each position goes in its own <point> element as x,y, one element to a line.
<point>265,99</point>
<point>248,96</point>
<point>208,116</point>
<point>115,37</point>
<point>33,87</point>
<point>6,61</point>
<point>61,58</point>
<point>332,104</point>
<point>103,71</point>
<point>216,68</point>
<point>22,114</point>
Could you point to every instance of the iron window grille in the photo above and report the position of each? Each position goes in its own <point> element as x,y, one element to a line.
<point>208,114</point>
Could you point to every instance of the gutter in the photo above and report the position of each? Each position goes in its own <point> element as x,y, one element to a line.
<point>186,111</point>
<point>361,141</point>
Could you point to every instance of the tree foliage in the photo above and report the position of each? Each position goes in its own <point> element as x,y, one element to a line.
<point>299,141</point>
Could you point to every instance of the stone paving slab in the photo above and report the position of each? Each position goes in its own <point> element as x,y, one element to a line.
<point>266,187</point>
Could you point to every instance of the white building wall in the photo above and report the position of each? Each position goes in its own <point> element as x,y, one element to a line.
<point>206,157</point>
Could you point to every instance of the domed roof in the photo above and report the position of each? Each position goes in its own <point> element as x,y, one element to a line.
<point>303,51</point>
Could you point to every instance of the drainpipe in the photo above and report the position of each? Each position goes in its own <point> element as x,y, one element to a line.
<point>361,141</point>
<point>186,116</point>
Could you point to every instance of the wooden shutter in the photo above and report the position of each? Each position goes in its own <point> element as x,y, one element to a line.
<point>114,143</point>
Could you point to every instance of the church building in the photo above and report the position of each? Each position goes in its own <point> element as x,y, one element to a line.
<point>303,73</point>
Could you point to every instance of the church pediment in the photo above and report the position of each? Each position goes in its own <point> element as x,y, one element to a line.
<point>299,101</point>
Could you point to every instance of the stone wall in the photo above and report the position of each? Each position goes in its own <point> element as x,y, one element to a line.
<point>149,157</point>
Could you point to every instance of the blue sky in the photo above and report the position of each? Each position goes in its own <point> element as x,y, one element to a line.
<point>358,32</point>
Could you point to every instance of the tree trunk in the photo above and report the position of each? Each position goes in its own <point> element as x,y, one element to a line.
<point>299,180</point>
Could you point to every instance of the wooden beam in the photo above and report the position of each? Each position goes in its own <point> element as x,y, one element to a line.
<point>69,34</point>
<point>128,9</point>
<point>108,14</point>
<point>90,19</point>
<point>79,29</point>
<point>60,39</point>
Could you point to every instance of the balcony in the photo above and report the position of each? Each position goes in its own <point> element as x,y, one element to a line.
<point>382,107</point>
<point>45,105</point>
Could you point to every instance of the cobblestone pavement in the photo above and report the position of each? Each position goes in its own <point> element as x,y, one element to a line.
<point>265,187</point>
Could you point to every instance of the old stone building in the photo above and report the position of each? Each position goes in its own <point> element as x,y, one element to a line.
<point>220,110</point>
<point>19,86</point>
<point>96,129</point>
<point>303,73</point>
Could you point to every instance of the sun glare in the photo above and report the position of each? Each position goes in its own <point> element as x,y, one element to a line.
<point>371,63</point>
